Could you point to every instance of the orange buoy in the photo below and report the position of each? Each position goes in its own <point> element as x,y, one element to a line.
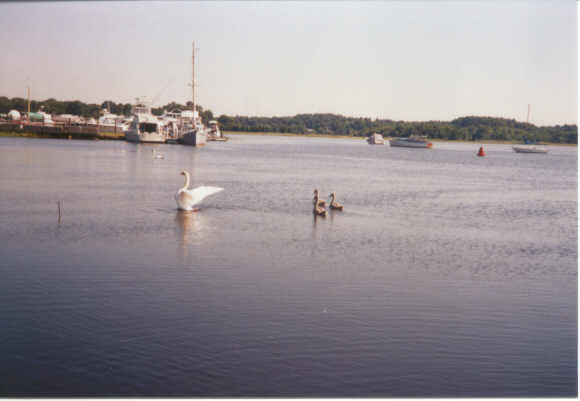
<point>481,152</point>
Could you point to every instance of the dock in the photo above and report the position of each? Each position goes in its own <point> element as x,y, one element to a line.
<point>63,130</point>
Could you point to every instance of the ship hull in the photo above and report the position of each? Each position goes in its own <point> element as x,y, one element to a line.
<point>410,144</point>
<point>522,149</point>
<point>144,137</point>
<point>193,138</point>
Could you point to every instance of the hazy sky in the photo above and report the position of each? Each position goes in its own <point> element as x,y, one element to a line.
<point>416,60</point>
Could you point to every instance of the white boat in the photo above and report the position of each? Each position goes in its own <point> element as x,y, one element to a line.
<point>530,146</point>
<point>412,142</point>
<point>170,125</point>
<point>214,133</point>
<point>109,122</point>
<point>529,149</point>
<point>376,139</point>
<point>145,127</point>
<point>194,132</point>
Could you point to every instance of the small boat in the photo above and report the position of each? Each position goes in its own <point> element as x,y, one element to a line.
<point>214,133</point>
<point>412,142</point>
<point>376,139</point>
<point>529,149</point>
<point>109,122</point>
<point>530,145</point>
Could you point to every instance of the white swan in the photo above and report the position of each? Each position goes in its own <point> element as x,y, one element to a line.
<point>187,198</point>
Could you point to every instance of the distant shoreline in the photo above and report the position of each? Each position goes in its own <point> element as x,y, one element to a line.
<point>106,136</point>
<point>484,142</point>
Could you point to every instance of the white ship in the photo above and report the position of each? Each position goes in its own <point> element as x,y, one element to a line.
<point>144,127</point>
<point>195,134</point>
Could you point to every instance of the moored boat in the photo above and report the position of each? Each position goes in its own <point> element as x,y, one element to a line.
<point>530,145</point>
<point>194,132</point>
<point>214,133</point>
<point>411,142</point>
<point>193,137</point>
<point>145,127</point>
<point>529,149</point>
<point>376,139</point>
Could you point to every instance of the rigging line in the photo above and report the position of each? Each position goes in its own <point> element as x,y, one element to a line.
<point>170,82</point>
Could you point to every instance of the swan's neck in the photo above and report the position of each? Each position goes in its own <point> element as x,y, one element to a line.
<point>186,181</point>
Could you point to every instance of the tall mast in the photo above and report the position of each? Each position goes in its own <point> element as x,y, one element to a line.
<point>528,118</point>
<point>193,78</point>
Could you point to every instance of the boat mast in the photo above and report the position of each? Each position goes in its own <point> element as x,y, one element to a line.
<point>528,118</point>
<point>193,79</point>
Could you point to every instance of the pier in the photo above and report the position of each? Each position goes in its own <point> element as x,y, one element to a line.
<point>63,130</point>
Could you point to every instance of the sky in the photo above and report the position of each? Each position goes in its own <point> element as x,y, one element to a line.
<point>412,60</point>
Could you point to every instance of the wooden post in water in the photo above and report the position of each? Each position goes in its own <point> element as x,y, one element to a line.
<point>58,212</point>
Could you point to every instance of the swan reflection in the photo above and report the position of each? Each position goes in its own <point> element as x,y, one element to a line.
<point>189,227</point>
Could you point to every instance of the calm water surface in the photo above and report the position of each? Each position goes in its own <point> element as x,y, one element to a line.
<point>446,274</point>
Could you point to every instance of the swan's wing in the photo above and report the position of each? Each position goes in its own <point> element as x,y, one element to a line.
<point>200,193</point>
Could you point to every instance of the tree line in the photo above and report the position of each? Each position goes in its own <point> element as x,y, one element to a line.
<point>470,128</point>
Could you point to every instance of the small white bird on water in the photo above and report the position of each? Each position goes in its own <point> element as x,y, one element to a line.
<point>187,198</point>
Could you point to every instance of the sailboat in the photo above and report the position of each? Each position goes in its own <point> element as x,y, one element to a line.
<point>195,134</point>
<point>530,146</point>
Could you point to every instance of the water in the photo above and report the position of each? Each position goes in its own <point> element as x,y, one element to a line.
<point>446,274</point>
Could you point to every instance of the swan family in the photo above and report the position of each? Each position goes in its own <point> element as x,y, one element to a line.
<point>319,204</point>
<point>187,198</point>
